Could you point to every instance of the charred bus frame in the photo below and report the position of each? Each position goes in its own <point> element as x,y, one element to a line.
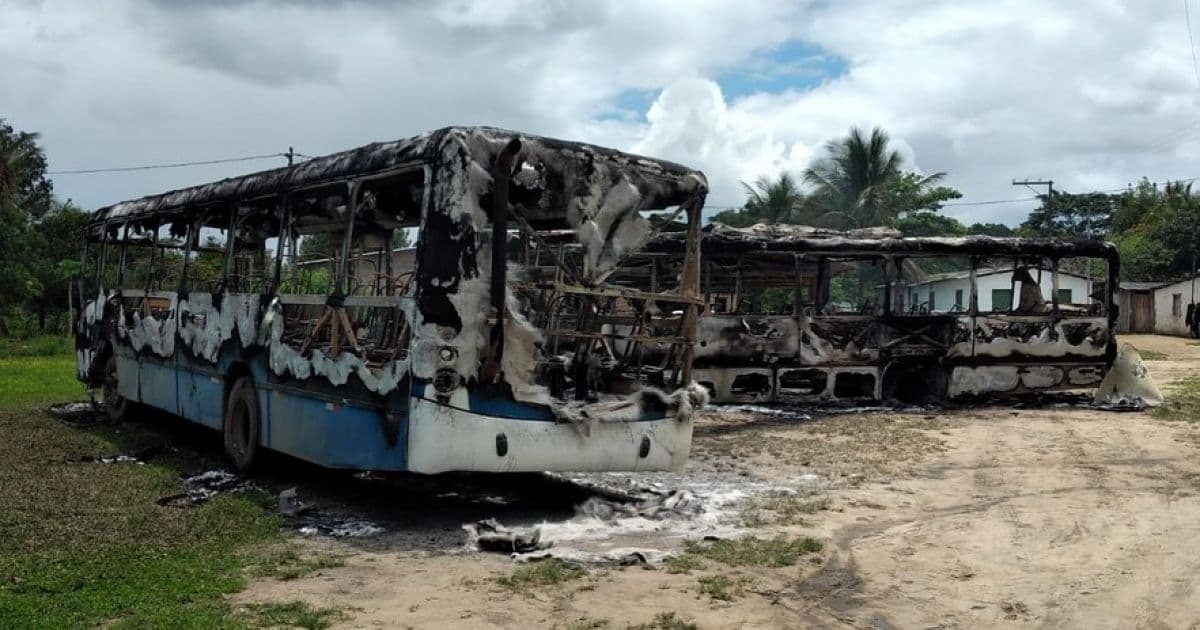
<point>453,366</point>
<point>885,348</point>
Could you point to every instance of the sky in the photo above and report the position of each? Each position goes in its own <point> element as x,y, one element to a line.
<point>1093,95</point>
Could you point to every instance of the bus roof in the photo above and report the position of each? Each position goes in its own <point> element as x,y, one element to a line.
<point>369,160</point>
<point>720,239</point>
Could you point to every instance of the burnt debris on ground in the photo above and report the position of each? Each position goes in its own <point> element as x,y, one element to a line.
<point>137,457</point>
<point>782,412</point>
<point>199,488</point>
<point>78,413</point>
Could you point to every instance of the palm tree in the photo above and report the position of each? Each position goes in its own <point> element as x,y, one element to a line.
<point>851,184</point>
<point>775,200</point>
<point>22,172</point>
<point>768,200</point>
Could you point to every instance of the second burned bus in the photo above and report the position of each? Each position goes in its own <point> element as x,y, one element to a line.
<point>493,353</point>
<point>795,313</point>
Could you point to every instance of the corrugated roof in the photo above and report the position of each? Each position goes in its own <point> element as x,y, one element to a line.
<point>1142,286</point>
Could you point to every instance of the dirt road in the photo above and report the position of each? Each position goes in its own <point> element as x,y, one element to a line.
<point>997,517</point>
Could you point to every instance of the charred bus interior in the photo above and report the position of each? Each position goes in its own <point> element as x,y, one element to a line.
<point>801,314</point>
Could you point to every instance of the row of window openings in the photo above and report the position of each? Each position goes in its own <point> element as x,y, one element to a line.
<point>1001,299</point>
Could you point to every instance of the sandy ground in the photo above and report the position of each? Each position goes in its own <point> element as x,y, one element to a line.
<point>996,517</point>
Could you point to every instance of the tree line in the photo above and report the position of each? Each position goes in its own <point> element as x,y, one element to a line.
<point>860,181</point>
<point>40,238</point>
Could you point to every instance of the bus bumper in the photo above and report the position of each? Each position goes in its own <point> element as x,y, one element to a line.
<point>451,437</point>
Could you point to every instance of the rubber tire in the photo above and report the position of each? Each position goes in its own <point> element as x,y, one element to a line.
<point>116,407</point>
<point>241,425</point>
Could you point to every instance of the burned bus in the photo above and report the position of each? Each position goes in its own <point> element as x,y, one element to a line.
<point>195,302</point>
<point>794,313</point>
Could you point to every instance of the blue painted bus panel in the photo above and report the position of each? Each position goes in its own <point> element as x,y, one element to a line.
<point>201,397</point>
<point>157,385</point>
<point>127,372</point>
<point>501,406</point>
<point>338,436</point>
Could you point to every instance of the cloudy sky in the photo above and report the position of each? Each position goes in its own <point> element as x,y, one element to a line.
<point>1091,94</point>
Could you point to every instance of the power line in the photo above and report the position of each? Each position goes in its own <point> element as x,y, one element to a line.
<point>1187,14</point>
<point>992,202</point>
<point>148,167</point>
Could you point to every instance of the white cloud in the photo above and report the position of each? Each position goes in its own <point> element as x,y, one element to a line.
<point>1091,95</point>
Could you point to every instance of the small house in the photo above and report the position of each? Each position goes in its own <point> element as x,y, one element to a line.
<point>1135,306</point>
<point>1173,305</point>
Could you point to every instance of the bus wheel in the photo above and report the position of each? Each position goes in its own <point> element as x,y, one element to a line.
<point>241,424</point>
<point>115,405</point>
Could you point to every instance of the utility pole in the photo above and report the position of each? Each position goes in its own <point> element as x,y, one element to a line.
<point>1030,183</point>
<point>1049,184</point>
<point>291,155</point>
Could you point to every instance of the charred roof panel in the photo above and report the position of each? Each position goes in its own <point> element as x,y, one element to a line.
<point>380,157</point>
<point>720,240</point>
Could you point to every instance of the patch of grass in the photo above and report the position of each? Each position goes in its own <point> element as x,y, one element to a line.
<point>543,573</point>
<point>85,544</point>
<point>1182,402</point>
<point>683,563</point>
<point>722,587</point>
<point>782,508</point>
<point>1153,355</point>
<point>665,621</point>
<point>38,381</point>
<point>588,624</point>
<point>44,346</point>
<point>287,564</point>
<point>754,551</point>
<point>294,614</point>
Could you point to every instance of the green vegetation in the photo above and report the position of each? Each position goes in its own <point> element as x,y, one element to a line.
<point>288,564</point>
<point>543,573</point>
<point>1153,355</point>
<point>1153,226</point>
<point>40,239</point>
<point>683,563</point>
<point>858,182</point>
<point>754,551</point>
<point>723,587</point>
<point>665,621</point>
<point>38,381</point>
<point>781,508</point>
<point>40,346</point>
<point>295,614</point>
<point>1182,403</point>
<point>85,544</point>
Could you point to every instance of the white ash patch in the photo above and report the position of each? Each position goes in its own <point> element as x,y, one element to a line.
<point>343,529</point>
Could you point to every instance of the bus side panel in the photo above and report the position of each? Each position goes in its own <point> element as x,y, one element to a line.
<point>201,393</point>
<point>127,372</point>
<point>157,384</point>
<point>332,434</point>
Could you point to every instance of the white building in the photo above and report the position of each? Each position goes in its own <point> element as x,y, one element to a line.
<point>1171,304</point>
<point>949,292</point>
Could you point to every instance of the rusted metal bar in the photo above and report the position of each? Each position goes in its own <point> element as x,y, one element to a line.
<point>689,283</point>
<point>339,287</point>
